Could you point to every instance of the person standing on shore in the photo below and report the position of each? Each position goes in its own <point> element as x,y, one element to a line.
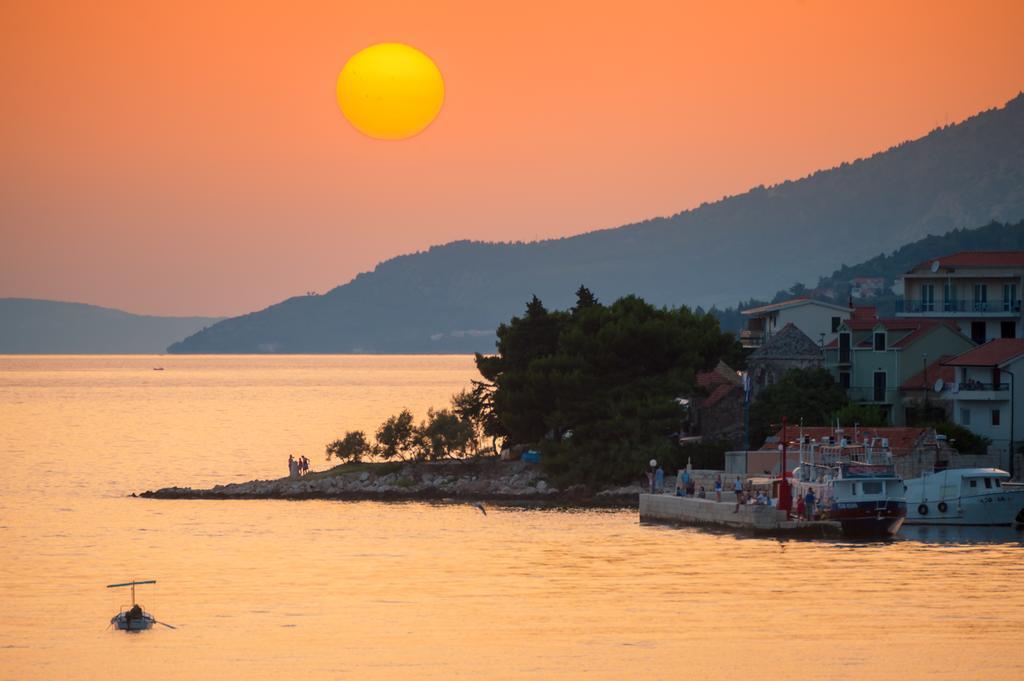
<point>718,487</point>
<point>809,504</point>
<point>293,467</point>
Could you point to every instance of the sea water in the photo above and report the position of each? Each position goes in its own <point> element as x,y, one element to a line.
<point>328,590</point>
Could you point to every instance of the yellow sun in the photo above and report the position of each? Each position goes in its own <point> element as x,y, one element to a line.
<point>390,91</point>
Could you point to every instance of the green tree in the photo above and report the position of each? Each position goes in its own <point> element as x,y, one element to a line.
<point>443,435</point>
<point>962,439</point>
<point>522,396</point>
<point>352,448</point>
<point>596,388</point>
<point>396,436</point>
<point>476,407</point>
<point>808,394</point>
<point>866,415</point>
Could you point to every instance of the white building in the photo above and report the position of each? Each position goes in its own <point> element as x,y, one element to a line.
<point>979,290</point>
<point>819,321</point>
<point>988,393</point>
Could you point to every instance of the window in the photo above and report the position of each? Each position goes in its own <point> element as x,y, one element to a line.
<point>978,332</point>
<point>965,417</point>
<point>927,298</point>
<point>872,487</point>
<point>844,380</point>
<point>1007,329</point>
<point>981,297</point>
<point>880,342</point>
<point>879,391</point>
<point>988,483</point>
<point>995,417</point>
<point>999,483</point>
<point>948,304</point>
<point>836,321</point>
<point>974,483</point>
<point>844,348</point>
<point>1009,297</point>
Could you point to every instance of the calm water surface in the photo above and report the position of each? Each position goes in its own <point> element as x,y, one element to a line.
<point>325,590</point>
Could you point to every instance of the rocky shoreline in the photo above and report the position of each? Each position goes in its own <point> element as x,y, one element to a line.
<point>498,482</point>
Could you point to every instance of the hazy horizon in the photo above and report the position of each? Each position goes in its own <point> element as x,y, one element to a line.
<point>197,164</point>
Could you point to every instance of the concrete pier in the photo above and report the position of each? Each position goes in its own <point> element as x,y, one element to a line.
<point>766,520</point>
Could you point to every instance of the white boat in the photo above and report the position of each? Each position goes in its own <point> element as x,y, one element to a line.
<point>133,618</point>
<point>964,496</point>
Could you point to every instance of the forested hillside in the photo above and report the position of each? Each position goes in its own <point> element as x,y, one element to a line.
<point>451,298</point>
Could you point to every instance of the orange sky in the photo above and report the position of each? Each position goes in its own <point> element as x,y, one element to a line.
<point>177,158</point>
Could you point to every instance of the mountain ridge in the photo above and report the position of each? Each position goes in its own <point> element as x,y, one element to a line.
<point>445,299</point>
<point>36,326</point>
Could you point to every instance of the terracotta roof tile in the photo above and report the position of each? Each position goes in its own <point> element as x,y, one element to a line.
<point>719,394</point>
<point>926,326</point>
<point>915,327</point>
<point>862,312</point>
<point>990,354</point>
<point>902,441</point>
<point>935,371</point>
<point>722,374</point>
<point>977,259</point>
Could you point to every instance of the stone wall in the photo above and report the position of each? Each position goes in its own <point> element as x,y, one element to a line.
<point>667,508</point>
<point>923,460</point>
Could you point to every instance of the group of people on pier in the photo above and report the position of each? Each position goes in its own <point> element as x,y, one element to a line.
<point>297,466</point>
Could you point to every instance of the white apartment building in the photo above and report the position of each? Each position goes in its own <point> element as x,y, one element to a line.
<point>978,290</point>
<point>988,393</point>
<point>818,320</point>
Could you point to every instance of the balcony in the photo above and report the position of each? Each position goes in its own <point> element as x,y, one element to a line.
<point>751,339</point>
<point>966,308</point>
<point>982,392</point>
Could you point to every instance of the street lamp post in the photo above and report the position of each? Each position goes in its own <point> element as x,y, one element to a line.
<point>1013,385</point>
<point>785,498</point>
<point>924,383</point>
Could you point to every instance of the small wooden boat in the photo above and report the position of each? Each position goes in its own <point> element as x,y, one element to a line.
<point>133,618</point>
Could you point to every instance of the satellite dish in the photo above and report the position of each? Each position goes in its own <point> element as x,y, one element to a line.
<point>935,266</point>
<point>939,385</point>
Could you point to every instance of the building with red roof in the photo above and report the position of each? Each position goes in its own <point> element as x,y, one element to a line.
<point>716,410</point>
<point>979,291</point>
<point>885,362</point>
<point>987,394</point>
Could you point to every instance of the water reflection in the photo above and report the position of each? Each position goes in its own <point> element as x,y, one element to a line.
<point>953,535</point>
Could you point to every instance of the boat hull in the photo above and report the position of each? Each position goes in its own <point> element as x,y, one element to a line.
<point>999,508</point>
<point>870,518</point>
<point>122,623</point>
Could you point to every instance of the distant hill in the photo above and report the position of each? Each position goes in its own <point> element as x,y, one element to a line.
<point>50,327</point>
<point>450,298</point>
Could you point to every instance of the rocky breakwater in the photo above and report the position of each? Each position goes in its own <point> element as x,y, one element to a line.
<point>475,480</point>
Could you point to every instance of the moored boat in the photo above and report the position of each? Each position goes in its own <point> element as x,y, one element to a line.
<point>964,496</point>
<point>855,484</point>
